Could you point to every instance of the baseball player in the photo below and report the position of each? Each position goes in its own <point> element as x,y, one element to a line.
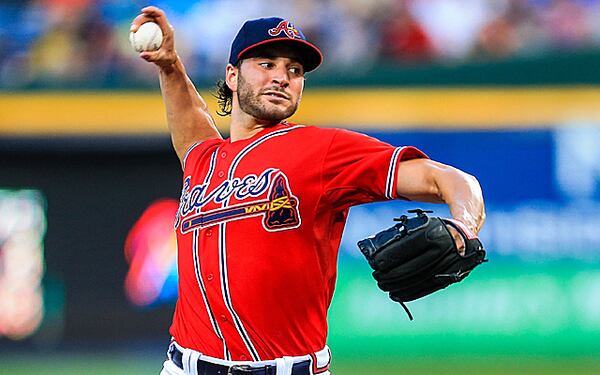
<point>261,213</point>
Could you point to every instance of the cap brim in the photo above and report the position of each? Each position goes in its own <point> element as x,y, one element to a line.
<point>310,54</point>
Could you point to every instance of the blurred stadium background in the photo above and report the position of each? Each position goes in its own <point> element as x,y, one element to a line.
<point>507,90</point>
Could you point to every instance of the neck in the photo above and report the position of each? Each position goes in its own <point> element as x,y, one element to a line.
<point>244,126</point>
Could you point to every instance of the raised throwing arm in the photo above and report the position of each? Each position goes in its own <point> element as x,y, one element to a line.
<point>188,115</point>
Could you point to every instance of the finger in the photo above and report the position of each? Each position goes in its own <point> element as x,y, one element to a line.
<point>139,21</point>
<point>157,57</point>
<point>158,15</point>
<point>460,245</point>
<point>150,55</point>
<point>459,241</point>
<point>153,11</point>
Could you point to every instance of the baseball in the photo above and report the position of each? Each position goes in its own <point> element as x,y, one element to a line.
<point>147,38</point>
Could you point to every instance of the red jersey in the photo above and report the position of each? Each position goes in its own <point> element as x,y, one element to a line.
<point>258,230</point>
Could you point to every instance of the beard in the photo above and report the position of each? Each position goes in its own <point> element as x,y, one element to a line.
<point>250,102</point>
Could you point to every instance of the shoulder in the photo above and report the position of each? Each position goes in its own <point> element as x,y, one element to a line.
<point>334,132</point>
<point>204,145</point>
<point>197,149</point>
<point>330,137</point>
<point>312,137</point>
<point>312,130</point>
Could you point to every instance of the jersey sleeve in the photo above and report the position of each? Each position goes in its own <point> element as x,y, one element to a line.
<point>195,151</point>
<point>360,169</point>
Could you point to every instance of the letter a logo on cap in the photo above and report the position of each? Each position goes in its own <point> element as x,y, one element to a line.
<point>285,27</point>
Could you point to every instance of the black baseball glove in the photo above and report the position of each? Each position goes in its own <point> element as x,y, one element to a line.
<point>419,256</point>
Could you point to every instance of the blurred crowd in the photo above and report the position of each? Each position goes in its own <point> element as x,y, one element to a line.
<point>85,43</point>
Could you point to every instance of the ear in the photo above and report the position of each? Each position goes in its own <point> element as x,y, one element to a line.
<point>231,77</point>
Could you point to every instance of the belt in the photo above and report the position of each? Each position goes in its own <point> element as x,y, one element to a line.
<point>209,368</point>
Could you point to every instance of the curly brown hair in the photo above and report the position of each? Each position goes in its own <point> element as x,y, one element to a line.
<point>224,95</point>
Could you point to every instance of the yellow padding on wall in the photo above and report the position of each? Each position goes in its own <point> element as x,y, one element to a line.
<point>141,112</point>
<point>456,107</point>
<point>82,113</point>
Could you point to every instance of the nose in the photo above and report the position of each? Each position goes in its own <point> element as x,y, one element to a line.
<point>280,76</point>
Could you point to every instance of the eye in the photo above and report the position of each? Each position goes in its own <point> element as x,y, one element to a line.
<point>266,64</point>
<point>297,70</point>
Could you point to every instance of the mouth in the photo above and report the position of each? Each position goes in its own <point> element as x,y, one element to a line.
<point>276,95</point>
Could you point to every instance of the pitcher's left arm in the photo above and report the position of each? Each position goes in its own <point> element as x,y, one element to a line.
<point>426,180</point>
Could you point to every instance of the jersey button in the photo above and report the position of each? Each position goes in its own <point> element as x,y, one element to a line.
<point>223,318</point>
<point>243,358</point>
<point>208,232</point>
<point>223,155</point>
<point>221,174</point>
<point>210,276</point>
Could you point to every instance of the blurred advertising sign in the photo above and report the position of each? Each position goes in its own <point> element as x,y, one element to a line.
<point>150,250</point>
<point>578,161</point>
<point>22,230</point>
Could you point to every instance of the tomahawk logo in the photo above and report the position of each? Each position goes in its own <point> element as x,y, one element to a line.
<point>282,212</point>
<point>287,28</point>
<point>279,208</point>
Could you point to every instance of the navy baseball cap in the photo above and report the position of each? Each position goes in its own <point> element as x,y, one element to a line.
<point>261,31</point>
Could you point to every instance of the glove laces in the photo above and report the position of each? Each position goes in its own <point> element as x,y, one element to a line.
<point>406,309</point>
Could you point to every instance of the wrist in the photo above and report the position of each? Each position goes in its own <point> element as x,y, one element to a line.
<point>171,66</point>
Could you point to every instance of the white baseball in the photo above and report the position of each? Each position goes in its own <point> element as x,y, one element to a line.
<point>148,37</point>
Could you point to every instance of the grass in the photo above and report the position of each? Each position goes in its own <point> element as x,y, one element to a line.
<point>474,366</point>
